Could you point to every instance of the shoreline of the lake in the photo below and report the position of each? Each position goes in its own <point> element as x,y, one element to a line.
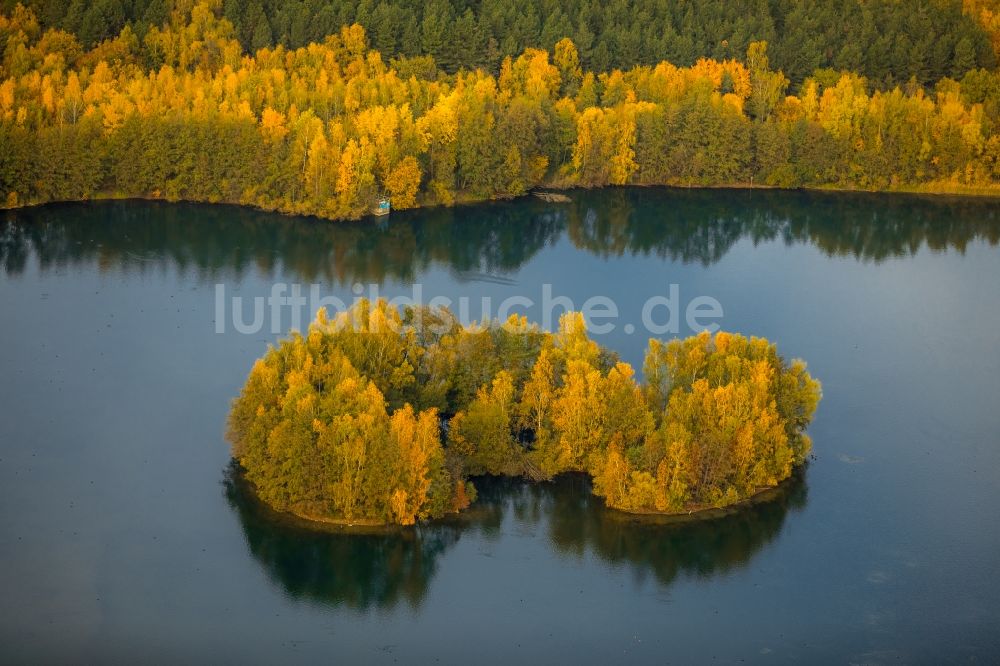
<point>694,514</point>
<point>930,190</point>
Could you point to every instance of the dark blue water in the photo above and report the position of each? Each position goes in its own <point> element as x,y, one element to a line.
<point>123,534</point>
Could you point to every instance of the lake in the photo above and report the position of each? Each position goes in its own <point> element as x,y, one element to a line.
<point>125,535</point>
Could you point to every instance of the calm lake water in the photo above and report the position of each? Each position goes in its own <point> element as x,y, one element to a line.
<point>124,535</point>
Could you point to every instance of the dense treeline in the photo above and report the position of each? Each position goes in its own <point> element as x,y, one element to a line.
<point>987,13</point>
<point>328,129</point>
<point>885,40</point>
<point>346,421</point>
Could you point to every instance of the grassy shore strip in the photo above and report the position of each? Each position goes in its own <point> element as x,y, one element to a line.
<point>934,190</point>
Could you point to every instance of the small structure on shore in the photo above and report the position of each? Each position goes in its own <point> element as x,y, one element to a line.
<point>552,197</point>
<point>382,207</point>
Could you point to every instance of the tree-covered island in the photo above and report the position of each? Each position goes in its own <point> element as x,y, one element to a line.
<point>380,417</point>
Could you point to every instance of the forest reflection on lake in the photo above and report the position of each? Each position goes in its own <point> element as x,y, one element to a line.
<point>697,226</point>
<point>382,568</point>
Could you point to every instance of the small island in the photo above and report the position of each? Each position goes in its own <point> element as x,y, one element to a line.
<point>380,417</point>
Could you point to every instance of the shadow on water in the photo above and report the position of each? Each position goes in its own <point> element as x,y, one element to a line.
<point>691,226</point>
<point>381,569</point>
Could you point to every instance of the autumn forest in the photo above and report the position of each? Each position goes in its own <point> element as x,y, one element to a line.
<point>182,103</point>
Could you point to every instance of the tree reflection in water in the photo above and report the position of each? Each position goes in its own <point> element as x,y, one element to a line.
<point>690,226</point>
<point>383,568</point>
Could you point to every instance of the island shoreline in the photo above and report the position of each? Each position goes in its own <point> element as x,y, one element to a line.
<point>363,526</point>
